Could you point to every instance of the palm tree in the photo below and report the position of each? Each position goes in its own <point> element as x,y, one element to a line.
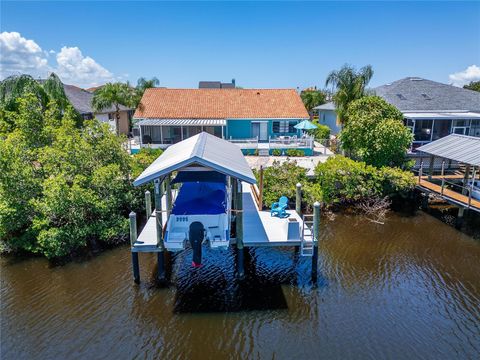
<point>312,98</point>
<point>142,85</point>
<point>112,95</point>
<point>350,85</point>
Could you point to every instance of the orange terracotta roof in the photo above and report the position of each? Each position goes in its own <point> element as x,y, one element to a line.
<point>220,104</point>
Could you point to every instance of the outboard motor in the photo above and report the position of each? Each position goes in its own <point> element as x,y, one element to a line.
<point>195,235</point>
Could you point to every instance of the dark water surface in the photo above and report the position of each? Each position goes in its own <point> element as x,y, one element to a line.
<point>405,290</point>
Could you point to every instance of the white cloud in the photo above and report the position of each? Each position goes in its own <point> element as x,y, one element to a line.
<point>471,73</point>
<point>74,67</point>
<point>19,55</point>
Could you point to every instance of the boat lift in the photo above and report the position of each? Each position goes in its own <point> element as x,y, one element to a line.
<point>217,203</point>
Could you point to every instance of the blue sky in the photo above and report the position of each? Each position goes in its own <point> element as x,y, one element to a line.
<point>267,44</point>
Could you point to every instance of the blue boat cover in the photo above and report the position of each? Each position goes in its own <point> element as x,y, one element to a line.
<point>194,176</point>
<point>200,198</point>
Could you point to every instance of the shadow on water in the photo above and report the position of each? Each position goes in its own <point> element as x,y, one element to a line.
<point>214,287</point>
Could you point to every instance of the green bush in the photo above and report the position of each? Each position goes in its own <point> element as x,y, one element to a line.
<point>295,152</point>
<point>322,132</point>
<point>343,180</point>
<point>276,152</point>
<point>280,180</point>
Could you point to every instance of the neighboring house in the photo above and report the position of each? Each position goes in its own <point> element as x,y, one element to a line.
<point>216,85</point>
<point>167,116</point>
<point>433,110</point>
<point>82,102</point>
<point>328,116</point>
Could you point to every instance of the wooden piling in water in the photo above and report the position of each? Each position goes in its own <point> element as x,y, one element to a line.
<point>316,236</point>
<point>159,228</point>
<point>133,239</point>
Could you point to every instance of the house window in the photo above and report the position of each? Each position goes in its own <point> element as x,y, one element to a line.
<point>441,128</point>
<point>284,126</point>
<point>423,130</point>
<point>110,116</point>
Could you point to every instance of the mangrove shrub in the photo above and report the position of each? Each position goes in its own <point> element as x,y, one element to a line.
<point>62,187</point>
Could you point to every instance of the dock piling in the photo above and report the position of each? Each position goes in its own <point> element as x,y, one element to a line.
<point>133,239</point>
<point>316,235</point>
<point>148,204</point>
<point>239,230</point>
<point>159,228</point>
<point>168,195</point>
<point>298,199</point>
<point>260,185</point>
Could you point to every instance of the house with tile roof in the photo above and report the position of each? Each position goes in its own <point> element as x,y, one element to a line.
<point>167,116</point>
<point>431,109</point>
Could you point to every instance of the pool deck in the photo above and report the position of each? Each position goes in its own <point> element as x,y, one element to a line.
<point>259,228</point>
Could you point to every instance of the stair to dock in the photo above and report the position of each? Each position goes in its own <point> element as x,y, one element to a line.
<point>307,247</point>
<point>263,152</point>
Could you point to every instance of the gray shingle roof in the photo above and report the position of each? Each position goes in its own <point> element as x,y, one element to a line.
<point>82,100</point>
<point>327,106</point>
<point>416,94</point>
<point>462,148</point>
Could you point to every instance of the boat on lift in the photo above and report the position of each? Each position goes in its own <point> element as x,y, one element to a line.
<point>204,198</point>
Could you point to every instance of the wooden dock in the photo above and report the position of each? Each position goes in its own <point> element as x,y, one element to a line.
<point>448,195</point>
<point>262,229</point>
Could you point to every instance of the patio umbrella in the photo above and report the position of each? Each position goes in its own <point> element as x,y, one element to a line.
<point>305,125</point>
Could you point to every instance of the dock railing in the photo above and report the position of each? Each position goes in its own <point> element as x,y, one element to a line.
<point>246,143</point>
<point>443,185</point>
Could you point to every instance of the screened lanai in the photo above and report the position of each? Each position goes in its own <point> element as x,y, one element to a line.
<point>171,131</point>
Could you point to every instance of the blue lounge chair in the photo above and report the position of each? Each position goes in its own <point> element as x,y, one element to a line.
<point>278,208</point>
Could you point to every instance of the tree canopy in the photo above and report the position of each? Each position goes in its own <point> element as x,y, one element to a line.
<point>46,90</point>
<point>474,85</point>
<point>349,85</point>
<point>63,187</point>
<point>142,85</point>
<point>375,133</point>
<point>312,98</point>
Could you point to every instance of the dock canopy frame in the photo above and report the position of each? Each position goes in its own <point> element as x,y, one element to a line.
<point>462,148</point>
<point>202,150</point>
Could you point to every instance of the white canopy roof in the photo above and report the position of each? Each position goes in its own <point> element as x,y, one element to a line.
<point>204,150</point>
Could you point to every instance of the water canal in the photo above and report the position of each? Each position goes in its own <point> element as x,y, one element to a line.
<point>407,289</point>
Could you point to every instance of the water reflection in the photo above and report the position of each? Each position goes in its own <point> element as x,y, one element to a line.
<point>409,288</point>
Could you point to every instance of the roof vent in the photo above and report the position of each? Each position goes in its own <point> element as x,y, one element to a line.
<point>416,79</point>
<point>426,97</point>
<point>401,97</point>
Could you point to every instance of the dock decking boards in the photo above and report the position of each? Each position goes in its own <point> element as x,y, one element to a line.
<point>449,195</point>
<point>261,229</point>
